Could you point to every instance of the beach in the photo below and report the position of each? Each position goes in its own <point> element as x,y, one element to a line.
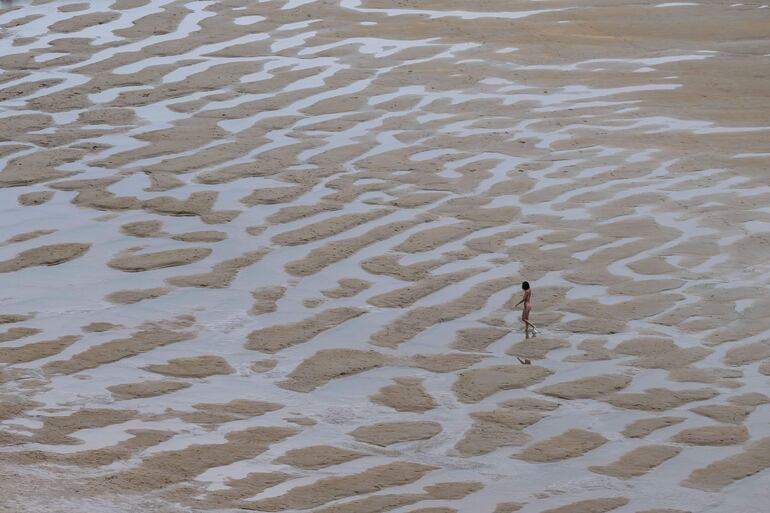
<point>265,256</point>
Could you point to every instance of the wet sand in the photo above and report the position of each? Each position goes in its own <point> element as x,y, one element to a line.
<point>264,256</point>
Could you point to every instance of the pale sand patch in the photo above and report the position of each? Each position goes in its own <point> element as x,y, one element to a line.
<point>332,252</point>
<point>754,459</point>
<point>638,461</point>
<point>35,198</point>
<point>327,228</point>
<point>177,323</point>
<point>406,394</point>
<point>384,434</point>
<point>432,238</point>
<point>652,265</point>
<point>570,444</point>
<point>273,195</point>
<point>143,229</point>
<point>275,338</point>
<point>765,368</point>
<point>530,403</point>
<point>108,116</point>
<point>57,428</point>
<point>602,319</point>
<point>17,333</point>
<point>747,353</point>
<point>496,243</point>
<point>441,363</point>
<point>201,236</point>
<point>594,326</point>
<point>221,275</point>
<point>388,265</point>
<point>39,167</point>
<point>536,348</point>
<point>199,204</point>
<point>24,89</point>
<point>477,339</point>
<point>664,511</point>
<point>338,487</point>
<point>162,181</point>
<point>161,469</point>
<point>83,21</point>
<point>193,367</point>
<point>266,299</point>
<point>750,399</point>
<point>587,388</point>
<point>10,439</point>
<point>591,506</point>
<point>643,427</point>
<point>729,413</point>
<point>502,427</point>
<point>348,287</point>
<point>140,342</point>
<point>660,399</point>
<point>714,375</point>
<point>14,407</point>
<point>100,327</point>
<point>54,254</point>
<point>216,413</point>
<point>643,287</point>
<point>316,457</point>
<point>474,385</point>
<point>406,296</point>
<point>296,212</point>
<point>237,490</point>
<point>508,507</point>
<point>593,350</point>
<point>329,364</point>
<point>129,262</point>
<point>301,421</point>
<point>14,318</point>
<point>37,350</point>
<point>417,199</point>
<point>152,388</point>
<point>387,502</point>
<point>24,237</point>
<point>417,320</point>
<point>128,297</point>
<point>660,353</point>
<point>257,230</point>
<point>712,435</point>
<point>313,302</point>
<point>261,366</point>
<point>85,183</point>
<point>140,439</point>
<point>102,199</point>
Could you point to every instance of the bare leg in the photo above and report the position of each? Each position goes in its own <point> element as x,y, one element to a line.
<point>526,324</point>
<point>534,328</point>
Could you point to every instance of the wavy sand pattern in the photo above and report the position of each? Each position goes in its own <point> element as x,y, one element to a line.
<point>263,256</point>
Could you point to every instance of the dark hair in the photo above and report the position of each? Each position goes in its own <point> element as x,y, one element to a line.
<point>525,285</point>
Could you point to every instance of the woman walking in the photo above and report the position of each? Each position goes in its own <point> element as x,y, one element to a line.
<point>527,300</point>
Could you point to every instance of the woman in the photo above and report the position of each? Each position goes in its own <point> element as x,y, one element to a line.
<point>527,300</point>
